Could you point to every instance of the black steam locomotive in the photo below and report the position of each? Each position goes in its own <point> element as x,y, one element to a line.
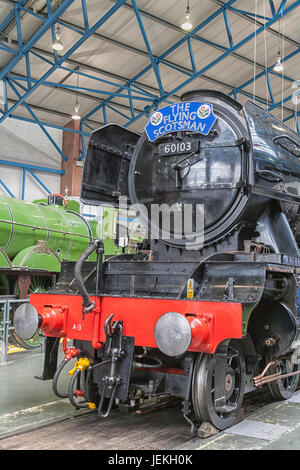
<point>206,309</point>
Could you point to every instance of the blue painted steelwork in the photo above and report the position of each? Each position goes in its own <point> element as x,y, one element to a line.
<point>85,15</point>
<point>228,28</point>
<point>281,102</point>
<point>40,125</point>
<point>154,62</point>
<point>23,50</point>
<point>86,125</point>
<point>179,43</point>
<point>269,87</point>
<point>250,13</point>
<point>19,31</point>
<point>5,94</point>
<point>31,170</point>
<point>104,114</point>
<point>272,7</point>
<point>265,73</point>
<point>62,59</point>
<point>143,93</point>
<point>10,16</point>
<point>27,166</point>
<point>23,184</point>
<point>191,55</point>
<point>297,123</point>
<point>28,72</point>
<point>282,5</point>
<point>131,104</point>
<point>5,48</point>
<point>6,188</point>
<point>32,85</point>
<point>39,181</point>
<point>82,88</point>
<point>83,147</point>
<point>55,126</point>
<point>200,72</point>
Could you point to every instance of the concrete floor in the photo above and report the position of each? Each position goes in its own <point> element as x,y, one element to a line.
<point>26,403</point>
<point>273,427</point>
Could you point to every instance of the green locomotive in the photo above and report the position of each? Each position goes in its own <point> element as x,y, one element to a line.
<point>38,239</point>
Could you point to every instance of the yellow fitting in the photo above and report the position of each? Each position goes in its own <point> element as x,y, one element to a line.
<point>92,406</point>
<point>81,364</point>
<point>72,371</point>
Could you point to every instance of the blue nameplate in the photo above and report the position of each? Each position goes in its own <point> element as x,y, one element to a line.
<point>186,116</point>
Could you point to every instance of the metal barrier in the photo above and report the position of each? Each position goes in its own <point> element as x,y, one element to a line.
<point>5,324</point>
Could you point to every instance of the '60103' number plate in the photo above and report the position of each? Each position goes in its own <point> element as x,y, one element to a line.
<point>176,148</point>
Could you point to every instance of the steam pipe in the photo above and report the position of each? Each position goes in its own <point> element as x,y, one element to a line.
<point>55,379</point>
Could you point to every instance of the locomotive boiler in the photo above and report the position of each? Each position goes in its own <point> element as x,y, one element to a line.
<point>25,226</point>
<point>206,309</point>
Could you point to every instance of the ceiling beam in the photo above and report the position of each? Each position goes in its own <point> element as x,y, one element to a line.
<point>204,69</point>
<point>70,91</point>
<point>55,112</point>
<point>165,23</point>
<point>141,52</point>
<point>252,20</point>
<point>24,49</point>
<point>60,61</point>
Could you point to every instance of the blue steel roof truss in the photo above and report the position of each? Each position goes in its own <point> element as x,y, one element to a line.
<point>132,90</point>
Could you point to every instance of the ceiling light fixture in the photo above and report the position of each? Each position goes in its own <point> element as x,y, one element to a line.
<point>187,23</point>
<point>76,116</point>
<point>278,67</point>
<point>57,45</point>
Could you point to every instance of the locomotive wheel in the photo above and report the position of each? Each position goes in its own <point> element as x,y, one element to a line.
<point>32,343</point>
<point>283,389</point>
<point>38,285</point>
<point>204,385</point>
